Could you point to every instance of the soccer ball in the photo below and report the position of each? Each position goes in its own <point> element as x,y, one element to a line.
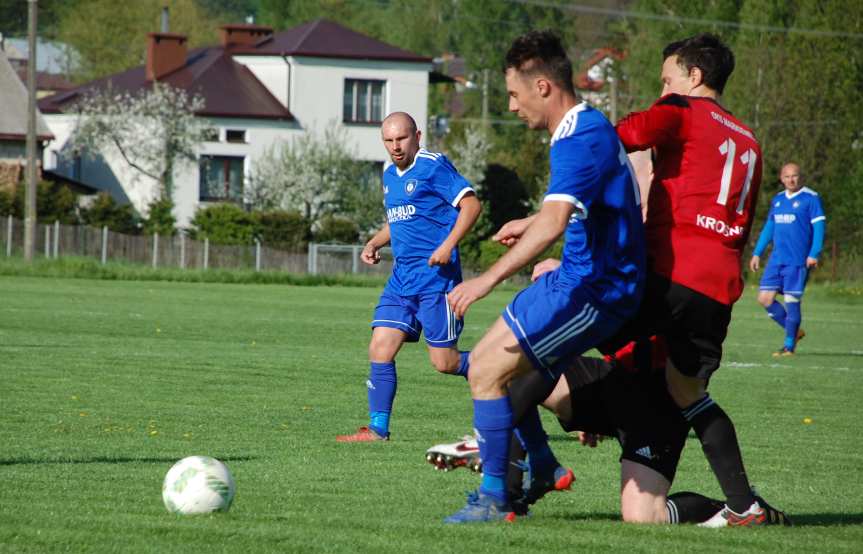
<point>198,485</point>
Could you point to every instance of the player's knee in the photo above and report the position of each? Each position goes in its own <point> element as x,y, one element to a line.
<point>483,381</point>
<point>643,513</point>
<point>381,351</point>
<point>765,298</point>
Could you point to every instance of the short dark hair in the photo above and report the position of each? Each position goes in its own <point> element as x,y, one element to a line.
<point>541,53</point>
<point>708,53</point>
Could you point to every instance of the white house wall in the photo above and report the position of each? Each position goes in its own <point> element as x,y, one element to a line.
<point>313,89</point>
<point>272,71</point>
<point>317,91</point>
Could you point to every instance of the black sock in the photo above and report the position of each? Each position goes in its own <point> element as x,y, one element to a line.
<point>515,471</point>
<point>691,507</point>
<point>528,391</point>
<point>719,443</point>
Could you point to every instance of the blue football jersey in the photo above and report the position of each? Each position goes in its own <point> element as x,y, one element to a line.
<point>792,216</point>
<point>604,245</point>
<point>421,205</point>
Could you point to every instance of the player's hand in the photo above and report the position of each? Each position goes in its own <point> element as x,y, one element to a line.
<point>441,256</point>
<point>811,263</point>
<point>511,231</point>
<point>589,439</point>
<point>754,263</point>
<point>468,292</point>
<point>546,265</point>
<point>371,254</point>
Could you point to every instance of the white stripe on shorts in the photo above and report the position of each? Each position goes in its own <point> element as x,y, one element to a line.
<point>563,329</point>
<point>570,331</point>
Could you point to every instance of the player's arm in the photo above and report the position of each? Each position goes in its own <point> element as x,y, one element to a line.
<point>512,230</point>
<point>469,209</point>
<point>819,222</point>
<point>763,240</point>
<point>371,251</point>
<point>661,124</point>
<point>547,226</point>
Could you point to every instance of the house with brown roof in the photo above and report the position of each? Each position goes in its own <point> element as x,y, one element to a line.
<point>258,87</point>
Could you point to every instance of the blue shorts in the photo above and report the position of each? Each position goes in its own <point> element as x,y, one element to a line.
<point>553,323</point>
<point>421,313</point>
<point>788,279</point>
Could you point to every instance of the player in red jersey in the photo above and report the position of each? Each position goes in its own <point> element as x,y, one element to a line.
<point>707,172</point>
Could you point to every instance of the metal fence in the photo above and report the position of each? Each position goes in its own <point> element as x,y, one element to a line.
<point>180,251</point>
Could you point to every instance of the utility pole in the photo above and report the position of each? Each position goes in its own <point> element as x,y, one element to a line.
<point>30,197</point>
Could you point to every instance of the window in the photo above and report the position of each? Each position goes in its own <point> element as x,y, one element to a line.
<point>221,178</point>
<point>363,101</point>
<point>235,135</point>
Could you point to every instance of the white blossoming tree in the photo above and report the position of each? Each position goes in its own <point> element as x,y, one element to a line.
<point>154,132</point>
<point>470,156</point>
<point>310,173</point>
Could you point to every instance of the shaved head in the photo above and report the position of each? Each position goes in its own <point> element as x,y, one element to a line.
<point>790,166</point>
<point>401,118</point>
<point>790,177</point>
<point>401,138</point>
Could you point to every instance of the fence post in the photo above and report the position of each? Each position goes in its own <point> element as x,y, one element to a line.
<point>9,236</point>
<point>206,252</point>
<point>182,250</point>
<point>355,259</point>
<point>313,259</point>
<point>47,241</point>
<point>56,238</point>
<point>155,250</point>
<point>104,244</point>
<point>257,255</point>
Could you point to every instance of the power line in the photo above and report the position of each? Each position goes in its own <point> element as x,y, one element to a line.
<point>610,12</point>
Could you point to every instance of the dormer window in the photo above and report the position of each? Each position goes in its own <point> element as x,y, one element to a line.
<point>363,101</point>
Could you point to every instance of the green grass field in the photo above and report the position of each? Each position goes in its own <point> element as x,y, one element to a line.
<point>104,384</point>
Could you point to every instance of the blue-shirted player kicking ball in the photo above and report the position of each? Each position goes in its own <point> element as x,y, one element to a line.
<point>429,208</point>
<point>795,224</point>
<point>593,199</point>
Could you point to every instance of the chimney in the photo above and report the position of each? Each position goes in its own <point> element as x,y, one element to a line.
<point>165,28</point>
<point>245,34</point>
<point>166,52</point>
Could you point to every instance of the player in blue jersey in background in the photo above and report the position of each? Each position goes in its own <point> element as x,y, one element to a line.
<point>592,199</point>
<point>429,208</point>
<point>795,224</point>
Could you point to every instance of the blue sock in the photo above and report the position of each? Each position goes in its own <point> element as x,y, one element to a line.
<point>534,440</point>
<point>492,420</point>
<point>382,390</point>
<point>776,312</point>
<point>464,364</point>
<point>792,324</point>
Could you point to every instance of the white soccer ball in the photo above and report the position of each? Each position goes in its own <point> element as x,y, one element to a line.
<point>198,485</point>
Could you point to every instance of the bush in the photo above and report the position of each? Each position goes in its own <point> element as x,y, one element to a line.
<point>161,218</point>
<point>53,203</point>
<point>225,224</point>
<point>287,230</point>
<point>105,211</point>
<point>337,229</point>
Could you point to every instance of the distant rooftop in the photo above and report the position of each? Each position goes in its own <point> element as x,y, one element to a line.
<point>228,88</point>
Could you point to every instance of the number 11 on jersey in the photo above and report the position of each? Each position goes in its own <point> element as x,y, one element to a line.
<point>728,148</point>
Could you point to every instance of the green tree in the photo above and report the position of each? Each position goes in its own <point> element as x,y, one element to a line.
<point>104,211</point>
<point>111,39</point>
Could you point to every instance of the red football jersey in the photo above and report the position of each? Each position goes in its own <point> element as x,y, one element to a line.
<point>706,176</point>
